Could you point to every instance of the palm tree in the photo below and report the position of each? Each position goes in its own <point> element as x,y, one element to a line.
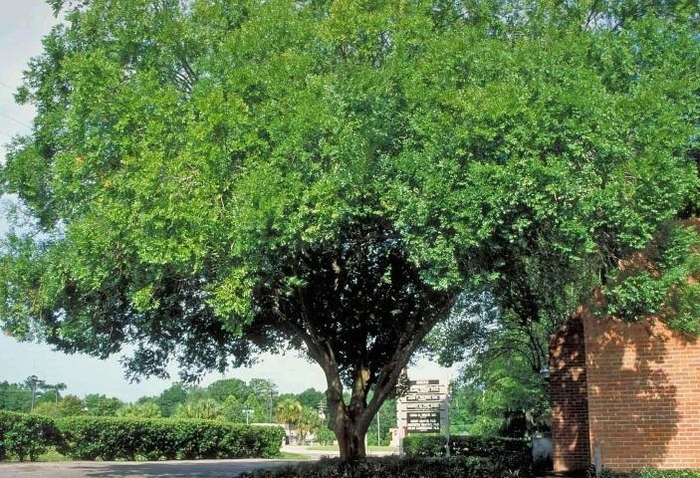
<point>310,423</point>
<point>147,409</point>
<point>207,409</point>
<point>59,386</point>
<point>34,382</point>
<point>289,412</point>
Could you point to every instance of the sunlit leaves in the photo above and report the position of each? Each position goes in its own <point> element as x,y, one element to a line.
<point>196,164</point>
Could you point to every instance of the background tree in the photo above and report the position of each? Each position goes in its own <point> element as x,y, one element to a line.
<point>309,424</point>
<point>325,436</point>
<point>221,389</point>
<point>144,409</point>
<point>15,397</point>
<point>258,411</point>
<point>205,409</point>
<point>36,386</point>
<point>232,410</point>
<point>100,405</point>
<point>501,389</point>
<point>266,395</point>
<point>289,412</point>
<point>379,431</point>
<point>57,388</point>
<point>312,398</point>
<point>172,397</point>
<point>68,406</point>
<point>205,193</point>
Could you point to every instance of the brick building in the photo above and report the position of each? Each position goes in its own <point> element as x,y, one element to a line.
<point>628,392</point>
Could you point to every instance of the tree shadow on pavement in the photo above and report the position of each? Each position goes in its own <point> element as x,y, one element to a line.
<point>174,469</point>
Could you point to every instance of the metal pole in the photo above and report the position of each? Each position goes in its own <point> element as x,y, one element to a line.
<point>447,431</point>
<point>247,412</point>
<point>33,379</point>
<point>269,404</point>
<point>448,397</point>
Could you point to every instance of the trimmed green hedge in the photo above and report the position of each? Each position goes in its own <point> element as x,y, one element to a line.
<point>25,436</point>
<point>107,438</point>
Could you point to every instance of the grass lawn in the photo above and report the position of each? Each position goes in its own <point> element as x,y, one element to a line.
<point>53,456</point>
<point>388,449</point>
<point>294,456</point>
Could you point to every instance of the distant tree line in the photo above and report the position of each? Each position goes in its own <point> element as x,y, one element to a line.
<point>231,400</point>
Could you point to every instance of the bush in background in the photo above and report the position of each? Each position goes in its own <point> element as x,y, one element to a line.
<point>109,438</point>
<point>25,436</point>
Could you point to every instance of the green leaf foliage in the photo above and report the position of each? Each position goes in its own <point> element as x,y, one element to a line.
<point>661,281</point>
<point>513,454</point>
<point>651,473</point>
<point>15,397</point>
<point>499,390</point>
<point>206,180</point>
<point>99,405</point>
<point>90,438</point>
<point>24,436</point>
<point>393,467</point>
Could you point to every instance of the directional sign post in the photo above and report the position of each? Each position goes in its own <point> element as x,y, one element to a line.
<point>423,409</point>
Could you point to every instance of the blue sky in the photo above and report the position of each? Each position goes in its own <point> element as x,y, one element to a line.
<point>22,25</point>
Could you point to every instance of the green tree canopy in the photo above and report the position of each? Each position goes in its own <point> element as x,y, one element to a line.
<point>309,424</point>
<point>15,397</point>
<point>205,409</point>
<point>500,390</point>
<point>102,406</point>
<point>207,180</point>
<point>172,397</point>
<point>68,406</point>
<point>143,409</point>
<point>312,398</point>
<point>223,388</point>
<point>290,412</point>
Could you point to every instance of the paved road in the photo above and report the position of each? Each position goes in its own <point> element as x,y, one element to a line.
<point>153,469</point>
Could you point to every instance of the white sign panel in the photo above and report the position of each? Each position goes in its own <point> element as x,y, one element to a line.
<point>424,407</point>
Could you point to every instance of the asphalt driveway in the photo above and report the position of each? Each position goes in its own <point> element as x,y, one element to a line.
<point>155,469</point>
<point>152,469</point>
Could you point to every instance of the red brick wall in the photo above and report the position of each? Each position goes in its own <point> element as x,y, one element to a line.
<point>643,395</point>
<point>568,390</point>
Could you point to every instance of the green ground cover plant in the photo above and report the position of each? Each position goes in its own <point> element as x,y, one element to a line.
<point>392,467</point>
<point>649,473</point>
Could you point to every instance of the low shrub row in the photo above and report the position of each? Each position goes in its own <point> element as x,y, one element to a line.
<point>650,473</point>
<point>25,436</point>
<point>391,467</point>
<point>504,453</point>
<point>129,438</point>
<point>423,467</point>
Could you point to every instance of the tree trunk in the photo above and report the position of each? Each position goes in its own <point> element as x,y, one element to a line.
<point>350,421</point>
<point>351,439</point>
